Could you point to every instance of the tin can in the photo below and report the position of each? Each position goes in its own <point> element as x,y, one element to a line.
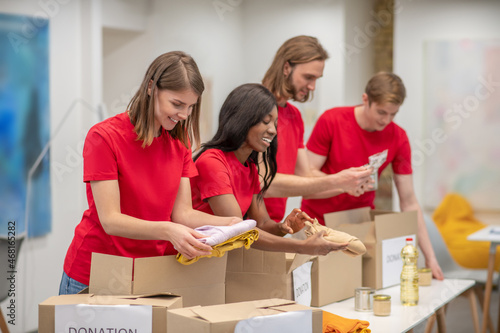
<point>363,299</point>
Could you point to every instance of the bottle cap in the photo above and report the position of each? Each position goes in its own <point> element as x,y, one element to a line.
<point>409,239</point>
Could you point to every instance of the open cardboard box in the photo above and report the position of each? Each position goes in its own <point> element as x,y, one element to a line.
<point>383,234</point>
<point>201,283</point>
<point>224,318</point>
<point>254,274</point>
<point>159,302</point>
<point>334,277</point>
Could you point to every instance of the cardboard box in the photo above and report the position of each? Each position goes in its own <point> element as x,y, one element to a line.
<point>377,230</point>
<point>224,318</point>
<point>334,277</point>
<point>254,274</point>
<point>201,283</point>
<point>159,302</point>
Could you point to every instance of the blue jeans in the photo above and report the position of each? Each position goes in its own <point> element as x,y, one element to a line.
<point>70,286</point>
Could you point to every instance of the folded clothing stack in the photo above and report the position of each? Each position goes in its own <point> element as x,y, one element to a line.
<point>224,238</point>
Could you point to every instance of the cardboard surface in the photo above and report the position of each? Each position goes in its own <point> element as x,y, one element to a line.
<point>201,283</point>
<point>223,318</point>
<point>372,227</point>
<point>160,302</point>
<point>255,275</point>
<point>334,277</point>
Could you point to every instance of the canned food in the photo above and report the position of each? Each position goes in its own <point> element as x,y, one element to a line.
<point>363,299</point>
<point>381,305</point>
<point>424,277</point>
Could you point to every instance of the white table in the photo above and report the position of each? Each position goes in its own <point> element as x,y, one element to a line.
<point>404,318</point>
<point>489,234</point>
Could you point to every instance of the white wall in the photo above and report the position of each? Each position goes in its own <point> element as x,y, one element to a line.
<point>211,37</point>
<point>40,259</point>
<point>99,52</point>
<point>417,22</point>
<point>268,24</point>
<point>334,23</point>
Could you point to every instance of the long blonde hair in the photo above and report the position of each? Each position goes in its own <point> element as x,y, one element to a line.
<point>296,50</point>
<point>173,71</point>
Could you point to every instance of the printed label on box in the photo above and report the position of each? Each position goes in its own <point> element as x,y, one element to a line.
<point>295,321</point>
<point>79,318</point>
<point>392,264</point>
<point>302,284</point>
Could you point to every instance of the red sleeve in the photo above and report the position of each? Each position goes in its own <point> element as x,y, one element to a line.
<point>213,176</point>
<point>189,169</point>
<point>402,160</point>
<point>321,137</point>
<point>256,180</point>
<point>301,130</point>
<point>99,160</point>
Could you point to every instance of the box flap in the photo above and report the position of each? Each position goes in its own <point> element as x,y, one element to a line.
<point>165,273</point>
<point>395,225</point>
<point>292,307</point>
<point>239,311</point>
<point>91,299</point>
<point>150,295</point>
<point>110,275</point>
<point>358,215</point>
<point>298,260</point>
<point>66,299</point>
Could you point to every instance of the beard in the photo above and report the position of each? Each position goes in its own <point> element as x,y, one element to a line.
<point>294,91</point>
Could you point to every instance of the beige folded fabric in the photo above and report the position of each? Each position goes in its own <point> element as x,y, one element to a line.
<point>355,247</point>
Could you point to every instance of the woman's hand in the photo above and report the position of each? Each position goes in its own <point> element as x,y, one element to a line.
<point>185,240</point>
<point>437,273</point>
<point>294,222</point>
<point>318,245</point>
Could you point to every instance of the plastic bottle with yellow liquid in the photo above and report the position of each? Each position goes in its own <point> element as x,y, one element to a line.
<point>409,274</point>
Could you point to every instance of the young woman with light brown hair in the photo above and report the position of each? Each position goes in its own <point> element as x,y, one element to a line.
<point>137,166</point>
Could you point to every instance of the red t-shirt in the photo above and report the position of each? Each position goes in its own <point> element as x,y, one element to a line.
<point>290,140</point>
<point>148,180</point>
<point>338,136</point>
<point>222,173</point>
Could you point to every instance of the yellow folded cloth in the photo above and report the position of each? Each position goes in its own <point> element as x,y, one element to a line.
<point>333,323</point>
<point>245,239</point>
<point>455,220</point>
<point>355,247</point>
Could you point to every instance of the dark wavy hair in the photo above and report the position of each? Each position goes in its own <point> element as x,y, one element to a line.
<point>245,107</point>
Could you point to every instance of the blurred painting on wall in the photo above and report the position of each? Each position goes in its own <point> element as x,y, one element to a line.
<point>24,125</point>
<point>460,151</point>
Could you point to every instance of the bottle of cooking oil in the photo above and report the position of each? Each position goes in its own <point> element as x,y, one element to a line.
<point>409,274</point>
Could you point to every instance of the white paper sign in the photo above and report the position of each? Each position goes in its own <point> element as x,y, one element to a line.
<point>392,264</point>
<point>302,284</point>
<point>295,321</point>
<point>84,318</point>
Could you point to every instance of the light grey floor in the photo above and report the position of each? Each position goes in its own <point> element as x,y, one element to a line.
<point>459,317</point>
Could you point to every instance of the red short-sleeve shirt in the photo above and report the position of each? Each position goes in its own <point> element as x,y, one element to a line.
<point>338,136</point>
<point>148,180</point>
<point>222,173</point>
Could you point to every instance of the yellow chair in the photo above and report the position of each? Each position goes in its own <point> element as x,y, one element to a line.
<point>452,270</point>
